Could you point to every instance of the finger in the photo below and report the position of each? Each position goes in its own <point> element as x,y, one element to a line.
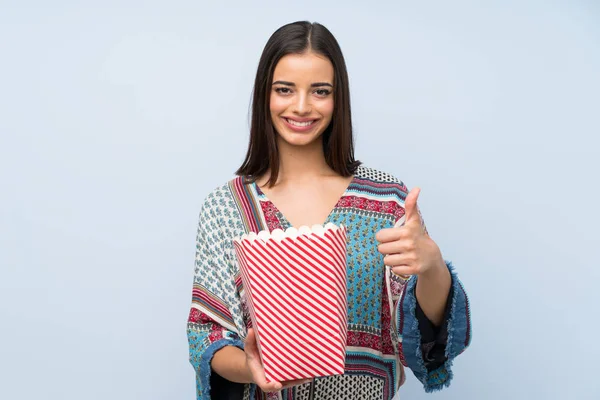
<point>388,235</point>
<point>250,338</point>
<point>397,260</point>
<point>254,363</point>
<point>272,387</point>
<point>396,247</point>
<point>250,343</point>
<point>258,375</point>
<point>404,271</point>
<point>410,205</point>
<point>298,382</point>
<point>400,221</point>
<point>261,381</point>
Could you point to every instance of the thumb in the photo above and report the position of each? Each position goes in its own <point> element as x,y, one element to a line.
<point>250,342</point>
<point>255,364</point>
<point>410,205</point>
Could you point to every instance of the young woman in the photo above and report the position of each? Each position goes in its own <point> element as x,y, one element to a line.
<point>406,306</point>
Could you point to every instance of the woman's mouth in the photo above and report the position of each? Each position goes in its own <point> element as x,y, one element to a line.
<point>299,126</point>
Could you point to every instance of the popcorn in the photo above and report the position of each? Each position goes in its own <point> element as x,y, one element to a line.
<point>295,288</point>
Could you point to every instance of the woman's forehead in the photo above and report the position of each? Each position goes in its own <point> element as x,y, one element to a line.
<point>304,68</point>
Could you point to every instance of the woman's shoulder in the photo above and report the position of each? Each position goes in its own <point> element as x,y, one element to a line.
<point>376,178</point>
<point>220,211</point>
<point>221,201</point>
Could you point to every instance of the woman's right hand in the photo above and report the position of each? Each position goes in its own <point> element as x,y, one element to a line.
<point>256,369</point>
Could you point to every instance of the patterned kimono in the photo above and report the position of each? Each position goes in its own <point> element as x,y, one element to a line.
<point>387,330</point>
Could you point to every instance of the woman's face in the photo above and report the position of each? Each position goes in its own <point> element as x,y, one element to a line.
<point>302,97</point>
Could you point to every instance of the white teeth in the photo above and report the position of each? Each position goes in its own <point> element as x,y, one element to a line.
<point>296,123</point>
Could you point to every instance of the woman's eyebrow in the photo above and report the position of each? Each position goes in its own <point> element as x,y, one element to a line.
<point>316,84</point>
<point>321,84</point>
<point>285,83</point>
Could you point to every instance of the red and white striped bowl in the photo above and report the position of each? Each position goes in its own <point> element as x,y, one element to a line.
<point>295,288</point>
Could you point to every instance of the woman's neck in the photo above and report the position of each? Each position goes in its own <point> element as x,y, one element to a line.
<point>302,163</point>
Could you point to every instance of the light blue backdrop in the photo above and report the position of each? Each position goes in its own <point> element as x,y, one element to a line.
<point>117,118</point>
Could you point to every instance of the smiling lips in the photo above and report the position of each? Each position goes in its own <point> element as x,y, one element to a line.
<point>299,125</point>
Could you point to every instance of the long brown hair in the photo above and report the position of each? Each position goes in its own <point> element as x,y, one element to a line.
<point>338,143</point>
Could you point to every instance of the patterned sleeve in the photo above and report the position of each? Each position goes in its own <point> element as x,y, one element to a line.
<point>430,354</point>
<point>426,350</point>
<point>210,324</point>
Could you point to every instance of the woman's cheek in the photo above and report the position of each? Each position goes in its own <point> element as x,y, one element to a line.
<point>327,108</point>
<point>278,105</point>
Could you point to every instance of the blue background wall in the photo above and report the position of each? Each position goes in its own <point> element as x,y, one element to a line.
<point>117,118</point>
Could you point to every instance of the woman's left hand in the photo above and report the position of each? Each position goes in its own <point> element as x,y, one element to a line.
<point>408,249</point>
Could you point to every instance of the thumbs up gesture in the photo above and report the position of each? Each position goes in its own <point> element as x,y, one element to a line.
<point>408,249</point>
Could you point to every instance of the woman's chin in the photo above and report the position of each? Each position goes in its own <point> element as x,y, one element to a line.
<point>299,140</point>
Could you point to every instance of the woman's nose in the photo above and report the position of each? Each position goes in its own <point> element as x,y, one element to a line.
<point>303,105</point>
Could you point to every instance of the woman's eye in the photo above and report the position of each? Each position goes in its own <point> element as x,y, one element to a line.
<point>322,92</point>
<point>283,90</point>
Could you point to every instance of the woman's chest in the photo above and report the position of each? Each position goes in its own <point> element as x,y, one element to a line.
<point>364,265</point>
<point>306,205</point>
